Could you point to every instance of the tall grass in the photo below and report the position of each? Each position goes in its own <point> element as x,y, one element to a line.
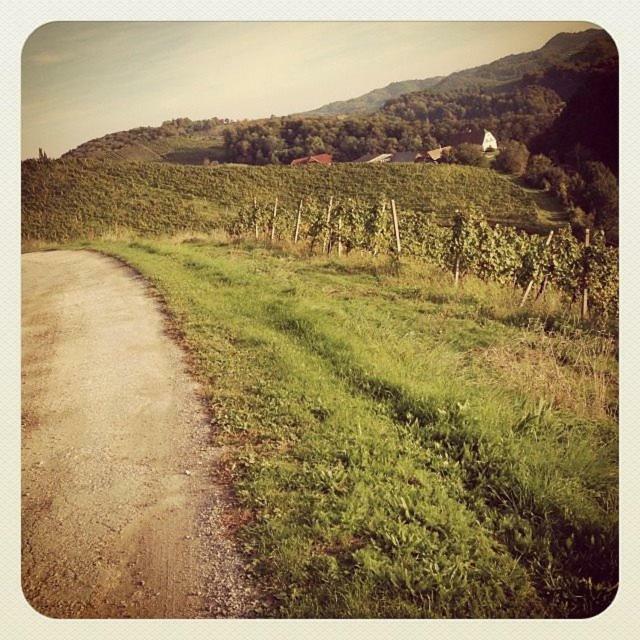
<point>391,463</point>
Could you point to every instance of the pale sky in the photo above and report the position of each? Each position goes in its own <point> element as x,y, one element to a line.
<point>81,80</point>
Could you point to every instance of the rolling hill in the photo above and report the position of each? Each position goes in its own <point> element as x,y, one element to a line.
<point>181,141</point>
<point>373,100</point>
<point>563,47</point>
<point>184,141</point>
<point>69,199</point>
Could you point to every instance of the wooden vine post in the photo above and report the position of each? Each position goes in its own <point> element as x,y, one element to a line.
<point>396,228</point>
<point>297,233</point>
<point>585,294</point>
<point>527,291</point>
<point>339,236</point>
<point>456,272</point>
<point>543,286</point>
<point>255,211</point>
<point>273,223</point>
<point>326,248</point>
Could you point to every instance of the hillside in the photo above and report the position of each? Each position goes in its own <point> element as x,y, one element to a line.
<point>399,447</point>
<point>337,390</point>
<point>373,100</point>
<point>588,123</point>
<point>196,142</point>
<point>65,200</point>
<point>562,47</point>
<point>181,141</point>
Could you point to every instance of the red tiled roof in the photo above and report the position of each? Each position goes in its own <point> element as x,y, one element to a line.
<point>321,158</point>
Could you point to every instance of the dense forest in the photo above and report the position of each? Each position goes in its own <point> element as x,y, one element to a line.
<point>413,121</point>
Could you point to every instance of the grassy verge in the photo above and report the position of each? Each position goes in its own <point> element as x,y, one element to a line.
<point>389,443</point>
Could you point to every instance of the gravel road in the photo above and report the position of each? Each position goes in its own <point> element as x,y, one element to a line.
<point>122,515</point>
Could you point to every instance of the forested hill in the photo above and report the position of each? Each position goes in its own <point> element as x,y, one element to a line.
<point>563,47</point>
<point>523,110</point>
<point>373,100</point>
<point>568,110</point>
<point>520,97</point>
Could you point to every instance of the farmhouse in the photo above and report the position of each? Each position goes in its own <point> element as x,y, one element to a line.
<point>374,157</point>
<point>480,137</point>
<point>406,156</point>
<point>435,155</point>
<point>322,158</point>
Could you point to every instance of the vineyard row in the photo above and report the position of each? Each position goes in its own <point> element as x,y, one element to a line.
<point>586,272</point>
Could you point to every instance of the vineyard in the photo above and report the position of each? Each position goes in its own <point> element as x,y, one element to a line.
<point>585,272</point>
<point>463,219</point>
<point>66,200</point>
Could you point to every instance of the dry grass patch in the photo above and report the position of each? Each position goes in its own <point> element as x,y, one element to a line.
<point>579,376</point>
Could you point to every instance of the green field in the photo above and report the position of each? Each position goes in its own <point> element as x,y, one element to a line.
<point>73,199</point>
<point>398,447</point>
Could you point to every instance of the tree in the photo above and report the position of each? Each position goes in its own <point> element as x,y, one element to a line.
<point>536,171</point>
<point>557,181</point>
<point>580,220</point>
<point>600,197</point>
<point>315,144</point>
<point>470,154</point>
<point>513,157</point>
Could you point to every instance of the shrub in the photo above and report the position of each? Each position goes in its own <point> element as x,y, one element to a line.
<point>513,157</point>
<point>470,154</point>
<point>536,171</point>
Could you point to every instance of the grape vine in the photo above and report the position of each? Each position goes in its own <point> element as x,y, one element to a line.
<point>473,246</point>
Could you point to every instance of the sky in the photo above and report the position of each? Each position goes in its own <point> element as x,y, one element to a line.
<point>82,80</point>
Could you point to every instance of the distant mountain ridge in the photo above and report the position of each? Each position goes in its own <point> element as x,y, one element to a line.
<point>512,68</point>
<point>373,100</point>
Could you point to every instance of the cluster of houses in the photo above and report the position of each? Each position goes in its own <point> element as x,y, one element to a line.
<point>483,138</point>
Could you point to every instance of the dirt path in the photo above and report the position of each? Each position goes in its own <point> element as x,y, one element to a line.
<point>121,513</point>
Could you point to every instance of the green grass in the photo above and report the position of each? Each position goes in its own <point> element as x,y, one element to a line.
<point>65,200</point>
<point>391,453</point>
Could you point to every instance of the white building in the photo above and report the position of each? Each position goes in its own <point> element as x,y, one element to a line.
<point>489,142</point>
<point>471,135</point>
